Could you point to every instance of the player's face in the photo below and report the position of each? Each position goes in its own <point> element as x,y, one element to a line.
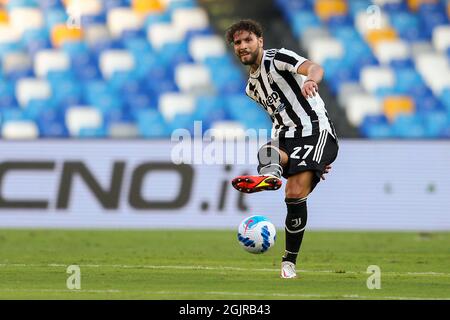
<point>246,46</point>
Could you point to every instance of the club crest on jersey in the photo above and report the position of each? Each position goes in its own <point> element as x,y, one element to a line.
<point>269,76</point>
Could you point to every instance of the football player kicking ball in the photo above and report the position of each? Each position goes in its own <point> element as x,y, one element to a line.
<point>304,141</point>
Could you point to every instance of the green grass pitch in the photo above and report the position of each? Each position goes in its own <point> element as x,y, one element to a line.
<point>200,264</point>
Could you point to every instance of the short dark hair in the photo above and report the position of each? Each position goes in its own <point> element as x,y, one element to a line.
<point>244,25</point>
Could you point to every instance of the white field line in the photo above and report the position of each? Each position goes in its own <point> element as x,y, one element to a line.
<point>215,268</point>
<point>219,293</point>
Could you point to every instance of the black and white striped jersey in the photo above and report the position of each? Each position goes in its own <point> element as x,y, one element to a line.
<point>276,86</point>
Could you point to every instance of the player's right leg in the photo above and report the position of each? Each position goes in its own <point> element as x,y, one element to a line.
<point>271,161</point>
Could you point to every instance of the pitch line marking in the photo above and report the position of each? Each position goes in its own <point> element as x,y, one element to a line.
<point>224,293</point>
<point>220,268</point>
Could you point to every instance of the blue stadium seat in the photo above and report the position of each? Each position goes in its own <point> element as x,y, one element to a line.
<point>445,99</point>
<point>356,6</point>
<point>210,109</point>
<point>408,126</point>
<point>375,127</point>
<point>392,7</point>
<point>302,20</point>
<point>87,20</point>
<point>407,25</point>
<point>35,107</point>
<point>55,16</point>
<point>21,3</point>
<point>48,4</point>
<point>151,124</point>
<point>92,132</point>
<point>435,123</point>
<point>154,18</point>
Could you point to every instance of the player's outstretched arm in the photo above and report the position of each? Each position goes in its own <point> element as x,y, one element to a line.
<point>314,74</point>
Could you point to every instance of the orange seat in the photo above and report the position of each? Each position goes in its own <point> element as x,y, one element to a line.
<point>413,5</point>
<point>448,10</point>
<point>3,16</point>
<point>328,8</point>
<point>374,36</point>
<point>394,105</point>
<point>147,6</point>
<point>61,33</point>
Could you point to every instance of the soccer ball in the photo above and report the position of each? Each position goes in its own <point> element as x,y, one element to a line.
<point>256,234</point>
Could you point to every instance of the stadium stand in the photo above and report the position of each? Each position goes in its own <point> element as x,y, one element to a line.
<point>115,68</point>
<point>387,61</point>
<point>134,68</point>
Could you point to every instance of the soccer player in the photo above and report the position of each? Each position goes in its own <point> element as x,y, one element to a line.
<point>303,142</point>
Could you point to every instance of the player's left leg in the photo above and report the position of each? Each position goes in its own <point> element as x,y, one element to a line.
<point>297,190</point>
<point>309,160</point>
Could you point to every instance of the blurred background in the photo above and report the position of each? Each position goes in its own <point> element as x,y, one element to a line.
<point>91,91</point>
<point>140,68</point>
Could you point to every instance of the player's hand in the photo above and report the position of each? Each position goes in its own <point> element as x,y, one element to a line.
<point>327,169</point>
<point>309,89</point>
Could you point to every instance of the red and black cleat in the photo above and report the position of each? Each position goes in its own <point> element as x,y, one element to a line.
<point>251,184</point>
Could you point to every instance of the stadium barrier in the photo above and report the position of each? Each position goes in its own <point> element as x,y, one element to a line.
<point>373,185</point>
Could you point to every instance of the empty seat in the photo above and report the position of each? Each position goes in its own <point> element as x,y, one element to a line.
<point>323,48</point>
<point>115,60</point>
<point>395,105</point>
<point>328,8</point>
<point>122,130</point>
<point>385,2</point>
<point>78,117</point>
<point>193,78</point>
<point>361,105</point>
<point>408,126</point>
<point>420,47</point>
<point>227,130</point>
<point>375,126</point>
<point>434,68</point>
<point>170,104</point>
<point>20,130</point>
<point>15,61</point>
<point>314,33</point>
<point>159,34</point>
<point>122,18</point>
<point>151,124</point>
<point>8,34</point>
<point>148,6</point>
<point>202,47</point>
<point>50,60</point>
<point>96,33</point>
<point>84,7</point>
<point>441,37</point>
<point>26,18</point>
<point>185,19</point>
<point>61,33</point>
<point>302,21</point>
<point>4,19</point>
<point>386,51</point>
<point>348,89</point>
<point>439,81</point>
<point>31,88</point>
<point>373,77</point>
<point>374,36</point>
